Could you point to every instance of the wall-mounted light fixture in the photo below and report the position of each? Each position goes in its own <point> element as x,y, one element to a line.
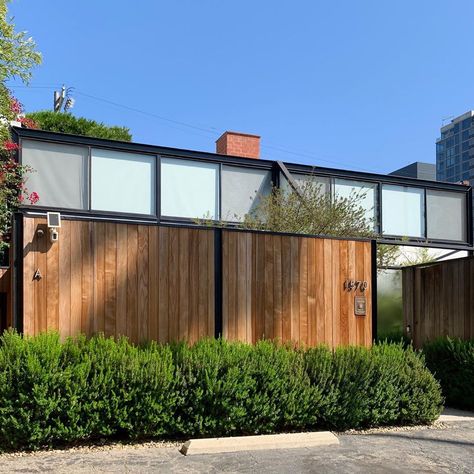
<point>54,223</point>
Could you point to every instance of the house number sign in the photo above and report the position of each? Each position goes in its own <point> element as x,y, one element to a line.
<point>354,285</point>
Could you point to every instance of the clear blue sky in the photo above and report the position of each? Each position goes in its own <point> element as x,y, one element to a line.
<point>351,83</point>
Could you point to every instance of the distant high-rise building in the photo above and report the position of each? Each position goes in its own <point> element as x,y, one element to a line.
<point>455,150</point>
<point>417,170</point>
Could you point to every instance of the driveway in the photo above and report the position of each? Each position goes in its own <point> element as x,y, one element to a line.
<point>447,448</point>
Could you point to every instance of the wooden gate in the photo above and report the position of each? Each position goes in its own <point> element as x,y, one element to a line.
<point>438,300</point>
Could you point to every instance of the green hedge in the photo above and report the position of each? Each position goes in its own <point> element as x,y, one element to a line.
<point>63,122</point>
<point>53,393</point>
<point>452,363</point>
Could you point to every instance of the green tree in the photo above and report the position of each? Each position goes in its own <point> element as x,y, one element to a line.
<point>18,56</point>
<point>64,122</point>
<point>311,211</point>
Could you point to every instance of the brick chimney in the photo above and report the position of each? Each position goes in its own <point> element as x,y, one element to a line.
<point>238,144</point>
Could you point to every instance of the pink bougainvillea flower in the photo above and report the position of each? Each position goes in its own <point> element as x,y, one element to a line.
<point>27,122</point>
<point>34,197</point>
<point>10,146</point>
<point>15,106</point>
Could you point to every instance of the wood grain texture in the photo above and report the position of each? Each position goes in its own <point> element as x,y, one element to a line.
<point>292,288</point>
<point>143,282</point>
<point>438,300</point>
<point>157,283</point>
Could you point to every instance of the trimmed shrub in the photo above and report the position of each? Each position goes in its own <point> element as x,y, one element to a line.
<point>452,363</point>
<point>386,385</point>
<point>233,388</point>
<point>83,389</point>
<point>63,122</point>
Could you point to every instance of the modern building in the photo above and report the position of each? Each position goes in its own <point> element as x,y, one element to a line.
<point>417,170</point>
<point>121,241</point>
<point>455,150</point>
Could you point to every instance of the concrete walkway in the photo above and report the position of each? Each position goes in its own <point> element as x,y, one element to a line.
<point>448,448</point>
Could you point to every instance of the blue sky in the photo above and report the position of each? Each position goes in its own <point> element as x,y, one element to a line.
<point>359,84</point>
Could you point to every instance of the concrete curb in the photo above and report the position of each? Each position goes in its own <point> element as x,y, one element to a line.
<point>453,414</point>
<point>256,443</point>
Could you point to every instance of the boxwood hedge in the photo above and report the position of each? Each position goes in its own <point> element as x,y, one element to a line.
<point>452,363</point>
<point>54,392</point>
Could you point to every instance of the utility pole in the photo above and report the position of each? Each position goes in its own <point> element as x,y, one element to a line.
<point>63,98</point>
<point>59,97</point>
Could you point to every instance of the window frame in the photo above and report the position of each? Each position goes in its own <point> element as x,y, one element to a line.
<point>168,218</point>
<point>221,188</point>
<point>159,152</point>
<point>154,176</point>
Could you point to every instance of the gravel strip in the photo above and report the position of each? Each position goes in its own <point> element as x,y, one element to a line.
<point>105,445</point>
<point>98,446</point>
<point>437,425</point>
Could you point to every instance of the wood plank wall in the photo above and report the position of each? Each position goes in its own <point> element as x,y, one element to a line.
<point>144,282</point>
<point>438,300</point>
<point>152,282</point>
<point>292,288</point>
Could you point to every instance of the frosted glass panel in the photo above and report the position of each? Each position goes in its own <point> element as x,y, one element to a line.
<point>300,179</point>
<point>189,189</point>
<point>123,182</point>
<point>446,214</point>
<point>403,211</point>
<point>242,189</point>
<point>389,304</point>
<point>60,173</point>
<point>365,193</point>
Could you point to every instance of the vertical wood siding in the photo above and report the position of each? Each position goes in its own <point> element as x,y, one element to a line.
<point>292,288</point>
<point>152,282</point>
<point>144,282</point>
<point>438,300</point>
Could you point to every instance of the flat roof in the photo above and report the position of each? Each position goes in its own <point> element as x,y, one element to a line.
<point>460,118</point>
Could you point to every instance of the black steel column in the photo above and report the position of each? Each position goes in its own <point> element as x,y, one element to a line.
<point>218,283</point>
<point>373,252</point>
<point>17,273</point>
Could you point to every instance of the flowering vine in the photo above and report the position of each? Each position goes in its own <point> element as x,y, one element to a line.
<point>13,190</point>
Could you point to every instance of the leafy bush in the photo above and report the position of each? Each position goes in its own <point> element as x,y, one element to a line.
<point>67,123</point>
<point>227,388</point>
<point>82,389</point>
<point>452,363</point>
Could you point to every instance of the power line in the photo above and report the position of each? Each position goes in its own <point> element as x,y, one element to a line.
<point>313,157</point>
<point>133,109</point>
<point>208,130</point>
<point>214,132</point>
<point>14,86</point>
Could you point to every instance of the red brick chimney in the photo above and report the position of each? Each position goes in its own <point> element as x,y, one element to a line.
<point>238,144</point>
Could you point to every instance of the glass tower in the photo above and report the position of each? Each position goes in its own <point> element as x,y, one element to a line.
<point>455,150</point>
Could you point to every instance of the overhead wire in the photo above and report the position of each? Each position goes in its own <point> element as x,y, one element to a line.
<point>208,130</point>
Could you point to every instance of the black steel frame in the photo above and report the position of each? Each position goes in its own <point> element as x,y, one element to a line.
<point>273,166</point>
<point>374,269</point>
<point>17,273</point>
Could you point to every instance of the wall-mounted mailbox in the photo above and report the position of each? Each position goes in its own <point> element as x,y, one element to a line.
<point>360,305</point>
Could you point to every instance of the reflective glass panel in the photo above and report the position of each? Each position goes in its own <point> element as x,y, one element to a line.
<point>189,189</point>
<point>446,215</point>
<point>364,192</point>
<point>122,182</point>
<point>242,189</point>
<point>402,211</point>
<point>60,173</point>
